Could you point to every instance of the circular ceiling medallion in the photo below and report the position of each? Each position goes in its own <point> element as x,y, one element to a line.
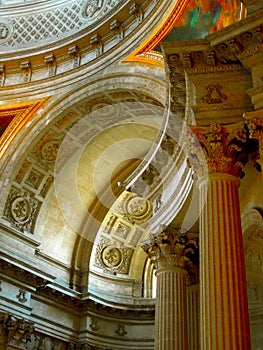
<point>111,256</point>
<point>6,30</point>
<point>139,209</point>
<point>20,209</point>
<point>49,151</point>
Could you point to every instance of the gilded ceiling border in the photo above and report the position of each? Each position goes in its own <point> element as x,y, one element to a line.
<point>145,52</point>
<point>21,113</point>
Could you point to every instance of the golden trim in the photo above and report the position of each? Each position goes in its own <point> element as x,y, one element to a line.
<point>143,53</point>
<point>22,112</point>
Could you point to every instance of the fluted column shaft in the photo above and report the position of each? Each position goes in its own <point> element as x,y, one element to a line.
<point>170,312</point>
<point>167,251</point>
<point>193,311</point>
<point>224,315</point>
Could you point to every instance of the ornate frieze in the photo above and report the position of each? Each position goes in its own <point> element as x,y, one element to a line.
<point>81,346</point>
<point>167,249</point>
<point>223,147</point>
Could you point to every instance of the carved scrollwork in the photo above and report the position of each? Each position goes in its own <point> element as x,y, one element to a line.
<point>18,330</point>
<point>20,208</point>
<point>94,325</point>
<point>49,151</point>
<point>112,259</point>
<point>21,296</point>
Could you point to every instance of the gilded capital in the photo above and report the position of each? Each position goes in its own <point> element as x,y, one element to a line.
<point>254,121</point>
<point>223,148</point>
<point>167,249</point>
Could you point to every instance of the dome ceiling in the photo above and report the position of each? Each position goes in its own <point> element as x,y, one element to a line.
<point>35,23</point>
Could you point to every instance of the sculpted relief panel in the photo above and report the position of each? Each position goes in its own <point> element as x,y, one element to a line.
<point>21,209</point>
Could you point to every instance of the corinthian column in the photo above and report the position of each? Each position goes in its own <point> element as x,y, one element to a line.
<point>167,251</point>
<point>224,318</point>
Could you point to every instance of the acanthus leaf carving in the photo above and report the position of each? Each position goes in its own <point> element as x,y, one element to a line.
<point>223,147</point>
<point>167,249</point>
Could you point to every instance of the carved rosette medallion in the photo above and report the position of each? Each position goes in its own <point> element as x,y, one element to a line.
<point>136,209</point>
<point>113,259</point>
<point>49,151</point>
<point>111,256</point>
<point>20,209</point>
<point>6,30</point>
<point>167,249</point>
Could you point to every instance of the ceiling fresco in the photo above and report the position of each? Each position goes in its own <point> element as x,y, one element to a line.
<point>202,17</point>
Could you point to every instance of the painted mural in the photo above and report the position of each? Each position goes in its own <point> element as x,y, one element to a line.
<point>203,17</point>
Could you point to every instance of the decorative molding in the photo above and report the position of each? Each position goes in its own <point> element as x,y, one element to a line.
<point>26,276</point>
<point>113,259</point>
<point>21,296</point>
<point>21,209</point>
<point>120,331</point>
<point>94,324</point>
<point>214,94</point>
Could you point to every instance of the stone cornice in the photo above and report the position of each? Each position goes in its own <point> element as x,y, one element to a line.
<point>82,49</point>
<point>49,291</point>
<point>24,274</point>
